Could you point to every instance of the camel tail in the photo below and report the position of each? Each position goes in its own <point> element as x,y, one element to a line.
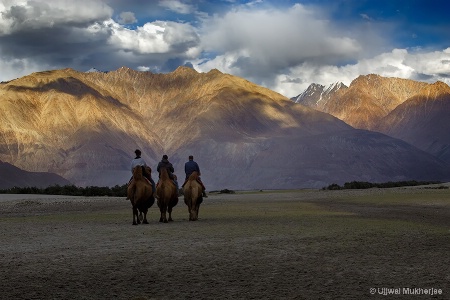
<point>189,191</point>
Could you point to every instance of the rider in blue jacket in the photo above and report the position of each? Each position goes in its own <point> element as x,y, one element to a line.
<point>190,167</point>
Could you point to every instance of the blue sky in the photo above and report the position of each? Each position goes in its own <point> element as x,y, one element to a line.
<point>283,45</point>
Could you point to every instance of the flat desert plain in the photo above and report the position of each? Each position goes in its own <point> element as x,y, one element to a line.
<point>303,244</point>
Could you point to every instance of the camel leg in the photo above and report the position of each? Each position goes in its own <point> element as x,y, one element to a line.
<point>170,214</point>
<point>188,204</point>
<point>197,209</point>
<point>191,212</point>
<point>130,189</point>
<point>163,209</point>
<point>165,216</point>
<point>136,212</point>
<point>145,218</point>
<point>134,209</point>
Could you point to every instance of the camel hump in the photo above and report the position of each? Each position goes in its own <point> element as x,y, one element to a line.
<point>193,176</point>
<point>164,175</point>
<point>137,172</point>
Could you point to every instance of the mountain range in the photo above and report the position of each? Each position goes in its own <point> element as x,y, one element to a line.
<point>413,111</point>
<point>85,126</point>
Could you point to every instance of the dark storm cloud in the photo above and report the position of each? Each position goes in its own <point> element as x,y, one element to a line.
<point>444,75</point>
<point>53,35</point>
<point>25,15</point>
<point>82,35</point>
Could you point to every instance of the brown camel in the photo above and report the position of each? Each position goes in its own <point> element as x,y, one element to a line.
<point>140,195</point>
<point>166,192</point>
<point>192,191</point>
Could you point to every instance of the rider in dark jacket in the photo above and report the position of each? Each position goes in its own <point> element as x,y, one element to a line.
<point>190,167</point>
<point>165,163</point>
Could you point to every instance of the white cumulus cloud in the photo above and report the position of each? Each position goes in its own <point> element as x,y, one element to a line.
<point>155,37</point>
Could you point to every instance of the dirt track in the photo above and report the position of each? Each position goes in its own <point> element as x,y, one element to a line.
<point>263,245</point>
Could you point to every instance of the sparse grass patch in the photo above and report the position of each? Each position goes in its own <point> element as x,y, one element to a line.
<point>401,197</point>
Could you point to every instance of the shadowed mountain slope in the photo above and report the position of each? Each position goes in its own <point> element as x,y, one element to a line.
<point>86,126</point>
<point>11,176</point>
<point>423,120</point>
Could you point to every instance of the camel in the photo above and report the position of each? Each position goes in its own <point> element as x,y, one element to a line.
<point>167,195</point>
<point>140,195</point>
<point>192,191</point>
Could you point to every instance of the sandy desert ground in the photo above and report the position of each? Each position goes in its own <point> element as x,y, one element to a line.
<point>305,244</point>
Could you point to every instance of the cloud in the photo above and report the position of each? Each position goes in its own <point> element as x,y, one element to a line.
<point>15,68</point>
<point>143,68</point>
<point>300,46</point>
<point>250,46</point>
<point>291,37</point>
<point>366,17</point>
<point>416,65</point>
<point>126,17</point>
<point>36,33</point>
<point>177,6</point>
<point>24,15</point>
<point>82,35</point>
<point>155,38</point>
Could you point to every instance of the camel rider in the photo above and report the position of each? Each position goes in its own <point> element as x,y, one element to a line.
<point>190,167</point>
<point>139,161</point>
<point>165,163</point>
